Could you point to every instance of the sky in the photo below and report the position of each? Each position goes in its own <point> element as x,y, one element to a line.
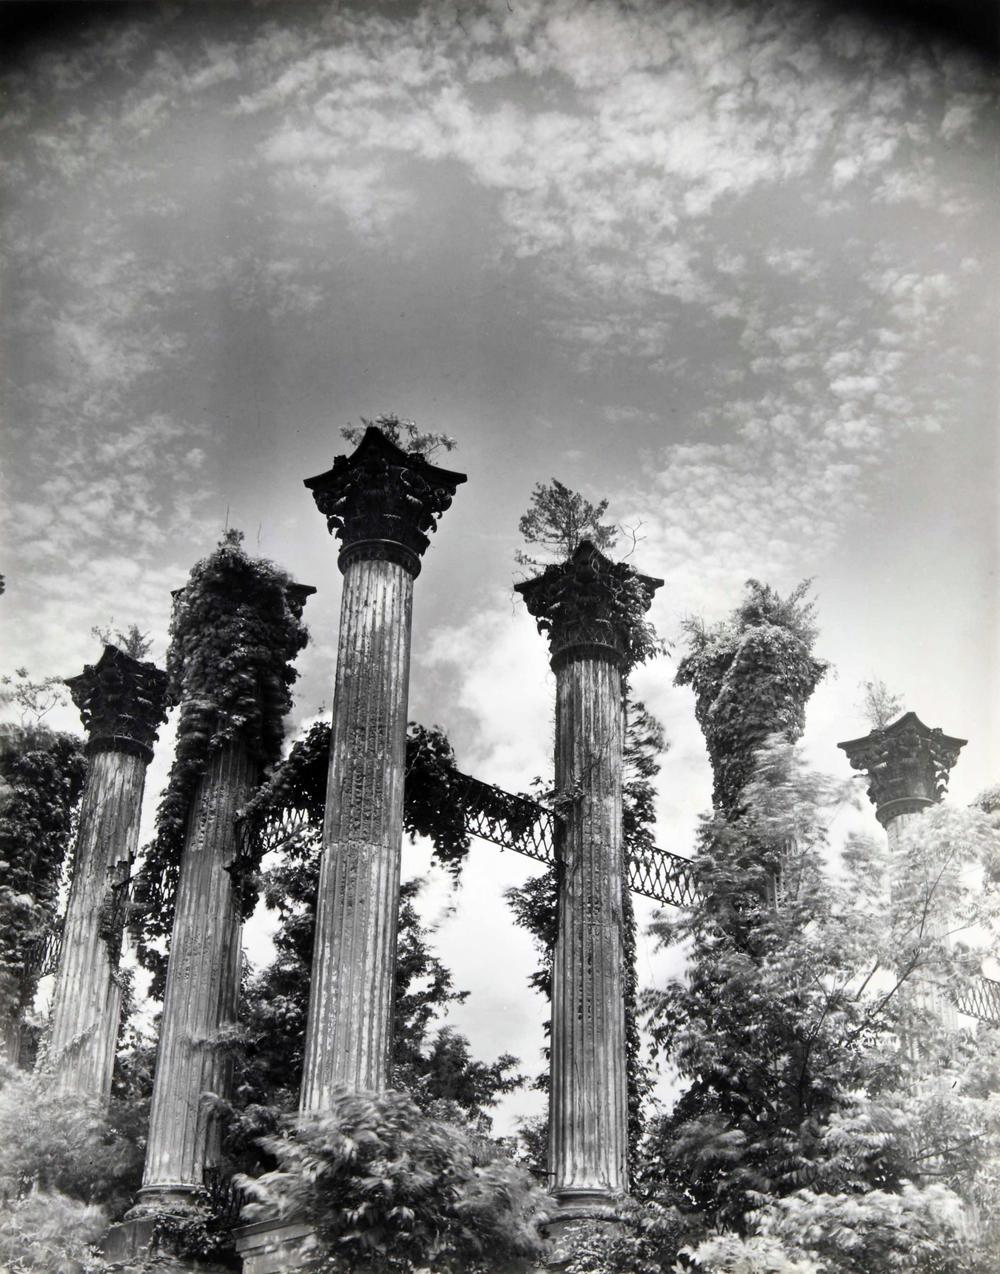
<point>730,265</point>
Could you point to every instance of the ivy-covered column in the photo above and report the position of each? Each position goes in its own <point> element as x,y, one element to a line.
<point>381,501</point>
<point>236,626</point>
<point>592,609</point>
<point>122,702</point>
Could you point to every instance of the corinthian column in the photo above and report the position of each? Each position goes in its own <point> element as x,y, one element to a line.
<point>122,703</point>
<point>579,604</point>
<point>203,979</point>
<point>381,502</point>
<point>907,766</point>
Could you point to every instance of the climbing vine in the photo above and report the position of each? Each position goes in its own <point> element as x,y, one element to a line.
<point>236,627</point>
<point>433,800</point>
<point>43,775</point>
<point>752,675</point>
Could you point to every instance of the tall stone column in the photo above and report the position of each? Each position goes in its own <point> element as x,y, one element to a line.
<point>242,617</point>
<point>122,702</point>
<point>381,502</point>
<point>907,765</point>
<point>203,980</point>
<point>578,603</point>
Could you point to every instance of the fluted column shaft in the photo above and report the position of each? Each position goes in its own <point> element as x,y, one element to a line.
<point>349,1031</point>
<point>202,989</point>
<point>87,1002</point>
<point>588,1123</point>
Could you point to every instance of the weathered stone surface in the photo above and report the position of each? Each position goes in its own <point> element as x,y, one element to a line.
<point>86,1005</point>
<point>588,1102</point>
<point>272,1247</point>
<point>587,606</point>
<point>202,987</point>
<point>350,1009</point>
<point>381,502</point>
<point>907,765</point>
<point>122,702</point>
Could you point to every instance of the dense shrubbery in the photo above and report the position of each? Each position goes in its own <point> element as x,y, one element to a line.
<point>43,773</point>
<point>390,1189</point>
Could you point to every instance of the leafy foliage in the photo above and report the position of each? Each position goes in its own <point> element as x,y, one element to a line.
<point>43,774</point>
<point>33,699</point>
<point>62,1143</point>
<point>403,432</point>
<point>752,675</point>
<point>879,705</point>
<point>45,1232</point>
<point>558,519</point>
<point>433,1066</point>
<point>133,641</point>
<point>235,628</point>
<point>391,1190</point>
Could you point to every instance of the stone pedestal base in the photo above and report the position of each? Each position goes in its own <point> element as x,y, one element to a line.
<point>274,1247</point>
<point>574,1217</point>
<point>132,1245</point>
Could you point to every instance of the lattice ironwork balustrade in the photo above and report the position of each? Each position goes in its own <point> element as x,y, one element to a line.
<point>43,957</point>
<point>981,1000</point>
<point>507,819</point>
<point>516,822</point>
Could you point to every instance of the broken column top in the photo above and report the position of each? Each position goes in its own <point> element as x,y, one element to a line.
<point>382,501</point>
<point>907,765</point>
<point>590,606</point>
<point>122,701</point>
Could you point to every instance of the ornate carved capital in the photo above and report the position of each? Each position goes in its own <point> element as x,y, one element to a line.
<point>588,606</point>
<point>122,702</point>
<point>382,501</point>
<point>907,765</point>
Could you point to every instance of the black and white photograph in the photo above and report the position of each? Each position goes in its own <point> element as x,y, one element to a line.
<point>500,700</point>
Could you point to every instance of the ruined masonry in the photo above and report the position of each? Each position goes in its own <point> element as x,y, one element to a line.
<point>122,702</point>
<point>200,1002</point>
<point>575,604</point>
<point>380,502</point>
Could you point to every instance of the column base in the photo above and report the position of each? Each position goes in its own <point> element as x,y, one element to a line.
<point>142,1237</point>
<point>274,1247</point>
<point>577,1215</point>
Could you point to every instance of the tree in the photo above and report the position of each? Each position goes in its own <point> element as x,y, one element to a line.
<point>133,641</point>
<point>433,1063</point>
<point>806,1131</point>
<point>558,519</point>
<point>43,773</point>
<point>403,432</point>
<point>879,705</point>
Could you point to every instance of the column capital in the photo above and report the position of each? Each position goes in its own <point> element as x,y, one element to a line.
<point>907,765</point>
<point>382,501</point>
<point>589,606</point>
<point>122,702</point>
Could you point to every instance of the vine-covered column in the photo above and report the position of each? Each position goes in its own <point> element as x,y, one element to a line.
<point>592,609</point>
<point>122,702</point>
<point>236,626</point>
<point>381,501</point>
